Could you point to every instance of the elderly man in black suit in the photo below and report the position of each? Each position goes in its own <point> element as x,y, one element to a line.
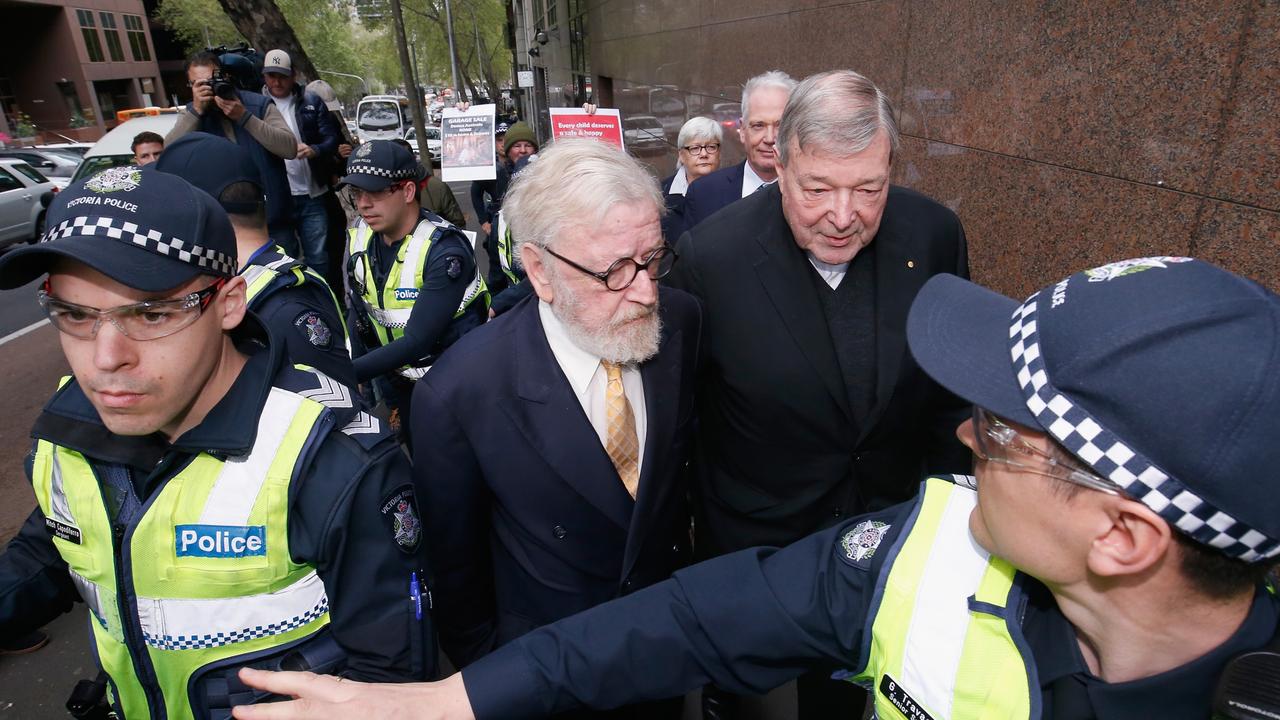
<point>810,408</point>
<point>550,443</point>
<point>763,98</point>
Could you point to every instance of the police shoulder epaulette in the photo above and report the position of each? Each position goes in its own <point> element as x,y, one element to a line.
<point>363,424</point>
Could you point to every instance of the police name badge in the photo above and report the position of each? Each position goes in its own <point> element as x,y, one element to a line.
<point>859,544</point>
<point>400,511</point>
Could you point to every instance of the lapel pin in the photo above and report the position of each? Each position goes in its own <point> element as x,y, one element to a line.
<point>911,263</point>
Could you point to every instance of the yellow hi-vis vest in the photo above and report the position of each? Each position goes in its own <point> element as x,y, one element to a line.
<point>940,641</point>
<point>202,576</point>
<point>507,251</point>
<point>389,309</point>
<point>280,271</point>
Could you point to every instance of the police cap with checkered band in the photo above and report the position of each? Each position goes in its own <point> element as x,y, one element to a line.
<point>377,164</point>
<point>1159,373</point>
<point>148,230</point>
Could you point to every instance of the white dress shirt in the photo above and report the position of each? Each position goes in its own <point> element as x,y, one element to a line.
<point>751,181</point>
<point>588,379</point>
<point>679,183</point>
<point>832,274</point>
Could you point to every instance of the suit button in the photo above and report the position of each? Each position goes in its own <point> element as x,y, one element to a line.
<point>626,584</point>
<point>675,548</point>
<point>559,532</point>
<point>837,512</point>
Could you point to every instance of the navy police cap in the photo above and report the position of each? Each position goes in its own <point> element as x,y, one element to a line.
<point>379,163</point>
<point>1159,373</point>
<point>147,230</point>
<point>212,163</point>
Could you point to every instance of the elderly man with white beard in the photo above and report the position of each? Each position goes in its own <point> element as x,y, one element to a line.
<point>550,442</point>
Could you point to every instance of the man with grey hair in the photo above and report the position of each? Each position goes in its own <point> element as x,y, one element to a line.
<point>810,409</point>
<point>763,98</point>
<point>550,442</point>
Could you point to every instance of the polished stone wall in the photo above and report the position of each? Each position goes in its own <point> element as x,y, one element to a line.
<point>1065,134</point>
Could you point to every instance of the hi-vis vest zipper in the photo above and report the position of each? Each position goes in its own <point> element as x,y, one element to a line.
<point>389,309</point>
<point>204,573</point>
<point>940,639</point>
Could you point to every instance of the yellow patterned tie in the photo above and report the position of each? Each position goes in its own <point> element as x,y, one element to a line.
<point>622,445</point>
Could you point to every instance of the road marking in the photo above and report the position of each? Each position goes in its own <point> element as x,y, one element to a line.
<point>19,333</point>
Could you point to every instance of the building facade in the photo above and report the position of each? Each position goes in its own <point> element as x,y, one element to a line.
<point>1064,134</point>
<point>70,65</point>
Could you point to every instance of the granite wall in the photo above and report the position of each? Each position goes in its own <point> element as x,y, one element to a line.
<point>1065,134</point>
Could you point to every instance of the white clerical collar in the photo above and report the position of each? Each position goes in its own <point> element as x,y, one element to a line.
<point>680,183</point>
<point>831,274</point>
<point>751,181</point>
<point>579,366</point>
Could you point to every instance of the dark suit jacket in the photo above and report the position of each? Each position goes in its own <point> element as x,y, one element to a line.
<point>776,456</point>
<point>525,518</point>
<point>711,193</point>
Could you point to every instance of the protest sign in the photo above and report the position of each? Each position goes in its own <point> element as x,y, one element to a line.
<point>467,149</point>
<point>605,124</point>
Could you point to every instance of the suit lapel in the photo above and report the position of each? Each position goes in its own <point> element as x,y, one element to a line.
<point>895,288</point>
<point>551,419</point>
<point>661,377</point>
<point>783,271</point>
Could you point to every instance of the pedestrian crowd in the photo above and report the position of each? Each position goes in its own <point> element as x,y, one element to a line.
<point>745,425</point>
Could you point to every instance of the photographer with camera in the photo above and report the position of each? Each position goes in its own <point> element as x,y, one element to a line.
<point>221,104</point>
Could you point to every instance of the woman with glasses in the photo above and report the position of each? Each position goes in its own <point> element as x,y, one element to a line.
<point>699,152</point>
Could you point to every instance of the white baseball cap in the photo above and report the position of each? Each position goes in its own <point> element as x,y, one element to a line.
<point>278,62</point>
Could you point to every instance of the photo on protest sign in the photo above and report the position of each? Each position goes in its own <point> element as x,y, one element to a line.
<point>605,124</point>
<point>467,150</point>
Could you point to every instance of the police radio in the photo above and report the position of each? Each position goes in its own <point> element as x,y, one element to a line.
<point>1249,687</point>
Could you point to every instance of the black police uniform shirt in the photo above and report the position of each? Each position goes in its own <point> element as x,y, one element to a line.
<point>431,328</point>
<point>305,318</point>
<point>755,619</point>
<point>336,519</point>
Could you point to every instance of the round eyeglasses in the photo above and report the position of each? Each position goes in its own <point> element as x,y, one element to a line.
<point>623,271</point>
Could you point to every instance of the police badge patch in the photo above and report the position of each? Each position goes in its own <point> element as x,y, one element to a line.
<point>860,543</point>
<point>400,510</point>
<point>454,267</point>
<point>115,180</point>
<point>317,330</point>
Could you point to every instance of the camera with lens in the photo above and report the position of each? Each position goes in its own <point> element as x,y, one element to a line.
<point>224,86</point>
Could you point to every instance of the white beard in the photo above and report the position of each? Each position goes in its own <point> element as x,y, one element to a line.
<point>631,340</point>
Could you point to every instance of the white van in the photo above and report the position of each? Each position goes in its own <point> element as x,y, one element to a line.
<point>114,150</point>
<point>382,117</point>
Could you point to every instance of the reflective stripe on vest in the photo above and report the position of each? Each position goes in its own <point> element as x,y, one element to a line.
<point>390,309</point>
<point>207,561</point>
<point>284,272</point>
<point>507,250</point>
<point>928,647</point>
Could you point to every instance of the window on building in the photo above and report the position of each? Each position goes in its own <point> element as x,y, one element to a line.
<point>551,20</point>
<point>92,43</point>
<point>112,34</point>
<point>137,37</point>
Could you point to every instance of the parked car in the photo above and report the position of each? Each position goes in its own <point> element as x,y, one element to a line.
<point>50,163</point>
<point>433,142</point>
<point>113,149</point>
<point>78,149</point>
<point>644,135</point>
<point>22,201</point>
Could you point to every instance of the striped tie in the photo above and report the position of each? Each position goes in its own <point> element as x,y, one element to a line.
<point>622,445</point>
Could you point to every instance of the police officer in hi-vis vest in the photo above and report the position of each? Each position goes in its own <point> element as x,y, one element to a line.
<point>1108,561</point>
<point>415,287</point>
<point>292,300</point>
<point>213,505</point>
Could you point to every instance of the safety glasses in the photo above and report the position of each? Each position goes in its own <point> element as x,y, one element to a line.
<point>1000,443</point>
<point>150,320</point>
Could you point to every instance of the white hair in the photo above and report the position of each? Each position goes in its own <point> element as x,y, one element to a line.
<point>839,111</point>
<point>699,128</point>
<point>574,183</point>
<point>771,79</point>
